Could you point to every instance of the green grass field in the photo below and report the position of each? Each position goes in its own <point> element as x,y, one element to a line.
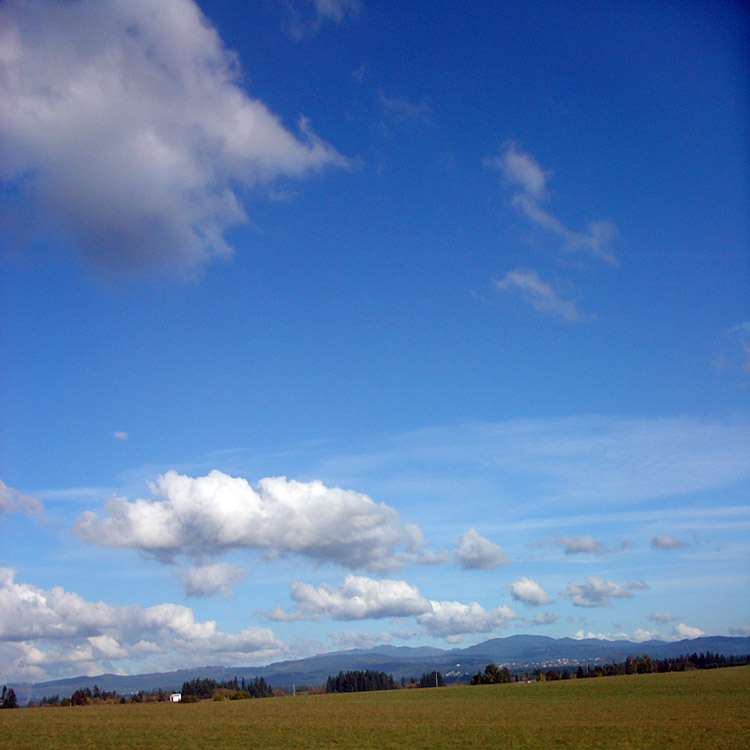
<point>700,709</point>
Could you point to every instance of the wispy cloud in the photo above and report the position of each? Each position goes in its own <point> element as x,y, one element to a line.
<point>599,462</point>
<point>661,618</point>
<point>120,435</point>
<point>149,100</point>
<point>348,639</point>
<point>733,351</point>
<point>522,173</point>
<point>545,618</point>
<point>404,110</point>
<point>13,501</point>
<point>211,579</point>
<point>304,18</point>
<point>539,294</point>
<point>574,545</point>
<point>664,541</point>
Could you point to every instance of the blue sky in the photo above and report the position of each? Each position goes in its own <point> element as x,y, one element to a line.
<point>334,323</point>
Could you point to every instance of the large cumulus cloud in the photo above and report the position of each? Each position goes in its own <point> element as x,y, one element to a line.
<point>360,598</point>
<point>215,513</point>
<point>125,125</point>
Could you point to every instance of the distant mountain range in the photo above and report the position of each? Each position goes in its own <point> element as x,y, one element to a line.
<point>517,652</point>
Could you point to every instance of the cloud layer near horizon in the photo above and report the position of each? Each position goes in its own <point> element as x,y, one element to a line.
<point>146,97</point>
<point>42,632</point>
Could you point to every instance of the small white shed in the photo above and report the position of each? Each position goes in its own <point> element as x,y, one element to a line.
<point>175,697</point>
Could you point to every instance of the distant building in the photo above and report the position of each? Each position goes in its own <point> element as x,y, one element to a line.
<point>175,697</point>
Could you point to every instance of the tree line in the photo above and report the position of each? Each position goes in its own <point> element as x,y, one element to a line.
<point>206,688</point>
<point>632,665</point>
<point>91,696</point>
<point>192,691</point>
<point>356,681</point>
<point>493,675</point>
<point>646,665</point>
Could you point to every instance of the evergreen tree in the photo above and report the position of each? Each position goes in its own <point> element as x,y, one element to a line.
<point>432,679</point>
<point>358,681</point>
<point>8,698</point>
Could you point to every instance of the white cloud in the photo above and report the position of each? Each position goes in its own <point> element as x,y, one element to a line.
<point>520,170</point>
<point>539,294</point>
<point>211,579</point>
<point>663,541</point>
<point>360,598</point>
<point>681,630</point>
<point>53,632</point>
<point>596,592</point>
<point>660,618</point>
<point>211,514</point>
<point>638,636</point>
<point>523,174</point>
<point>580,635</point>
<point>528,591</point>
<point>474,552</point>
<point>573,545</point>
<point>120,435</point>
<point>545,618</point>
<point>449,619</point>
<point>740,630</point>
<point>13,501</point>
<point>147,98</point>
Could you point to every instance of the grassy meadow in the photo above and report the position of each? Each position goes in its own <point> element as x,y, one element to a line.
<point>697,709</point>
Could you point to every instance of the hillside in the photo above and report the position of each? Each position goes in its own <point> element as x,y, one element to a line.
<point>518,652</point>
